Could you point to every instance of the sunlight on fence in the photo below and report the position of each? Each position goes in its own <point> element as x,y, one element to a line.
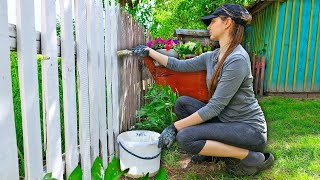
<point>101,92</point>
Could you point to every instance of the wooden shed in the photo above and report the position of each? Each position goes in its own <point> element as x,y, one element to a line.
<point>287,34</point>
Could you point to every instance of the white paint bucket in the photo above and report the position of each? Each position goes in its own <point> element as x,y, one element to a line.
<point>139,152</point>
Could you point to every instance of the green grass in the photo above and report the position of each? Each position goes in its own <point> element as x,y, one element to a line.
<point>293,138</point>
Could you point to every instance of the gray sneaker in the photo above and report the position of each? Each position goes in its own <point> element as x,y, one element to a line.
<point>241,169</point>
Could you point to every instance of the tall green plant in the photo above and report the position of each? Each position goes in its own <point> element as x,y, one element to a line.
<point>158,113</point>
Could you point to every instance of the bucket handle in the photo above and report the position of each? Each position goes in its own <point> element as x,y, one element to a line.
<point>147,158</point>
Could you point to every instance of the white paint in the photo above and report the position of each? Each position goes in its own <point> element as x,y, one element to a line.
<point>108,60</point>
<point>50,89</point>
<point>69,86</point>
<point>28,77</point>
<point>115,73</point>
<point>82,74</point>
<point>8,145</point>
<point>93,78</point>
<point>102,85</point>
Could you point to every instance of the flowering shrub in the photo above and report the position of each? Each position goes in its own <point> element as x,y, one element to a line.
<point>160,43</point>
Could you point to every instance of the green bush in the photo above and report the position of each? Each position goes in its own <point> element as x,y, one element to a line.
<point>158,113</point>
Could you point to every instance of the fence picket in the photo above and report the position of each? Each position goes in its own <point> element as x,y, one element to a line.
<point>93,74</point>
<point>115,68</point>
<point>50,89</point>
<point>8,143</point>
<point>69,91</point>
<point>28,78</point>
<point>108,59</point>
<point>83,93</point>
<point>102,85</point>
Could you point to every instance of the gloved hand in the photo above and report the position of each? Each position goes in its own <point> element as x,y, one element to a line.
<point>140,50</point>
<point>167,136</point>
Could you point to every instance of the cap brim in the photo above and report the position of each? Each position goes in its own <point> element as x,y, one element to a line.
<point>207,19</point>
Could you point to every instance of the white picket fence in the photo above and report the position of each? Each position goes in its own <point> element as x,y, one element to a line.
<point>99,34</point>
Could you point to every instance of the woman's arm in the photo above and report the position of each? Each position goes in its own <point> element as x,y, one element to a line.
<point>197,63</point>
<point>162,59</point>
<point>191,120</point>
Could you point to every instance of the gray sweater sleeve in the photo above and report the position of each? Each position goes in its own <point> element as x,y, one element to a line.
<point>233,73</point>
<point>197,63</point>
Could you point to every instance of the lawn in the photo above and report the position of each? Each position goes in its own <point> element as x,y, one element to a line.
<point>293,138</point>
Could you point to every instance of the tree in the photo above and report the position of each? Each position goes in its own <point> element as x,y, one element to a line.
<point>162,17</point>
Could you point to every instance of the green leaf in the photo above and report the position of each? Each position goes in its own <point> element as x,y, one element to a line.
<point>161,175</point>
<point>146,177</point>
<point>76,174</point>
<point>48,176</point>
<point>97,169</point>
<point>113,171</point>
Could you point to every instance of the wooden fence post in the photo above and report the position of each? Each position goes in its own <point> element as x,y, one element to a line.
<point>50,89</point>
<point>69,87</point>
<point>257,65</point>
<point>83,93</point>
<point>108,60</point>
<point>263,66</point>
<point>9,168</point>
<point>29,91</point>
<point>102,85</point>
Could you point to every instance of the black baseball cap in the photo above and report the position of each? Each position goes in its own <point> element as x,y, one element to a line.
<point>234,11</point>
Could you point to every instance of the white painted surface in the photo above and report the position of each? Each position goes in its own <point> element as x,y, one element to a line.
<point>115,73</point>
<point>50,89</point>
<point>83,92</point>
<point>102,85</point>
<point>108,60</point>
<point>28,77</point>
<point>93,78</point>
<point>8,146</point>
<point>69,86</point>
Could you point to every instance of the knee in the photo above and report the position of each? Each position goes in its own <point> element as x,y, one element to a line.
<point>188,143</point>
<point>179,104</point>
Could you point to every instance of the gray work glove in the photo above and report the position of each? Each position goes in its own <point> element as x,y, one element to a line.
<point>140,50</point>
<point>167,136</point>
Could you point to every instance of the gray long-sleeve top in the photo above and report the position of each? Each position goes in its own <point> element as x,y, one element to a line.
<point>233,99</point>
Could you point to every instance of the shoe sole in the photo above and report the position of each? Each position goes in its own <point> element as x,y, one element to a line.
<point>267,163</point>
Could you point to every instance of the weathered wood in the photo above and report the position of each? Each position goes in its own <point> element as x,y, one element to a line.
<point>115,69</point>
<point>83,93</point>
<point>253,65</point>
<point>102,86</point>
<point>50,89</point>
<point>8,143</point>
<point>108,59</point>
<point>256,87</point>
<point>28,78</point>
<point>69,87</point>
<point>13,40</point>
<point>263,66</point>
<point>93,78</point>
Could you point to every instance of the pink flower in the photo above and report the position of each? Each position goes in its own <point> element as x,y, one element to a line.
<point>149,44</point>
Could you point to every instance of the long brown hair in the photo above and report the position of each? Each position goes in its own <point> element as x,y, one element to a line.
<point>237,36</point>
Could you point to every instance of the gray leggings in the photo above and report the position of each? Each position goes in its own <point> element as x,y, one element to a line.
<point>192,139</point>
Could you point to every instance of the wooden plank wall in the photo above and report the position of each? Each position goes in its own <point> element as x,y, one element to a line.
<point>287,34</point>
